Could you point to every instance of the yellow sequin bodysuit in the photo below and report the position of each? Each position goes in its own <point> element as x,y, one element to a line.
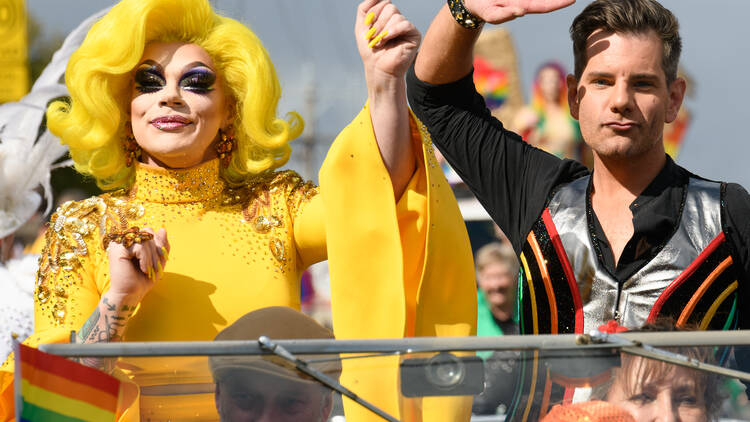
<point>225,244</point>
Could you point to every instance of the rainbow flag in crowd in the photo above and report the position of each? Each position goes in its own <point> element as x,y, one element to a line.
<point>53,388</point>
<point>490,82</point>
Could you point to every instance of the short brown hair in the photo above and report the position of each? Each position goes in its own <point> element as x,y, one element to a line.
<point>628,16</point>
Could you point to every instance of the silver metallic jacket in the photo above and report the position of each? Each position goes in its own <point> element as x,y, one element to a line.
<point>699,224</point>
<point>566,289</point>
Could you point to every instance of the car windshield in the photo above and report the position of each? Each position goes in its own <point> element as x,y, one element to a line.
<point>632,375</point>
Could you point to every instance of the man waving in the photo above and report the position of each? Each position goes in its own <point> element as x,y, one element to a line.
<point>640,237</point>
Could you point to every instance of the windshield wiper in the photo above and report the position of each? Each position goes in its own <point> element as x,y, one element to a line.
<point>267,344</point>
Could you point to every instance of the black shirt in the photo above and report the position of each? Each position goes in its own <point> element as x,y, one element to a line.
<point>514,180</point>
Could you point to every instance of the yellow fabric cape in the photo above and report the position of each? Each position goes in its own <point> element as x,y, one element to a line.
<point>397,268</point>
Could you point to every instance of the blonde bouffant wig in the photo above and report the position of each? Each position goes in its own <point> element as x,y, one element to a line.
<point>98,76</point>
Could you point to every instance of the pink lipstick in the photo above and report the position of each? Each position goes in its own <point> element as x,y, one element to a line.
<point>170,122</point>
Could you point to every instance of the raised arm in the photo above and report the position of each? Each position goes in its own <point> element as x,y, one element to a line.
<point>510,178</point>
<point>387,43</point>
<point>447,51</point>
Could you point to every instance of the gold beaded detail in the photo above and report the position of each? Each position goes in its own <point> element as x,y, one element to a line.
<point>424,134</point>
<point>175,186</point>
<point>73,229</point>
<point>266,216</point>
<point>254,222</point>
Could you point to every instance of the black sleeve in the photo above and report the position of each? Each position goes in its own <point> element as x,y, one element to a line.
<point>736,222</point>
<point>510,178</point>
<point>736,226</point>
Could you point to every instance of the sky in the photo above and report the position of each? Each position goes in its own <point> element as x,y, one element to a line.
<point>312,45</point>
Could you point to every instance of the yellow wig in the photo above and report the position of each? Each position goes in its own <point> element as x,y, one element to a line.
<point>92,123</point>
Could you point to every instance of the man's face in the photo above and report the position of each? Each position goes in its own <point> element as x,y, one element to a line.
<point>622,100</point>
<point>259,397</point>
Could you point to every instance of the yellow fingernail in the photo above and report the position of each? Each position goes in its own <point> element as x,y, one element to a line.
<point>377,39</point>
<point>150,273</point>
<point>370,33</point>
<point>369,18</point>
<point>165,252</point>
<point>161,269</point>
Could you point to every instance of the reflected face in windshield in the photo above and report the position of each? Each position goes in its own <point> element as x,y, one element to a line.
<point>674,396</point>
<point>251,396</point>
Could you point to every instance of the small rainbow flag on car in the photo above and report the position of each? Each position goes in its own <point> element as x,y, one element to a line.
<point>53,388</point>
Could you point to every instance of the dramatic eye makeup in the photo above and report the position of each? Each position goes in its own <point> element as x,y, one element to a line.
<point>148,78</point>
<point>199,80</point>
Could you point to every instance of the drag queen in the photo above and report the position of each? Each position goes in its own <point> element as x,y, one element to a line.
<point>173,110</point>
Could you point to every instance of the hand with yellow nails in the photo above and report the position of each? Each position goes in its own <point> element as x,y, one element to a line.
<point>134,268</point>
<point>388,43</point>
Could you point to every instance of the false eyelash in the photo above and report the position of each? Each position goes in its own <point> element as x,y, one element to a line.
<point>148,79</point>
<point>200,81</point>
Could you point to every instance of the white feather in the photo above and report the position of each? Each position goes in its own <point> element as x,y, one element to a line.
<point>26,158</point>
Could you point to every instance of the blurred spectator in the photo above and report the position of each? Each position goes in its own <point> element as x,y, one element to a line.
<point>497,272</point>
<point>651,389</point>
<point>253,388</point>
<point>546,123</point>
<point>319,307</point>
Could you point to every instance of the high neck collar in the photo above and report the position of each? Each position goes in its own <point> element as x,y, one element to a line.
<point>155,184</point>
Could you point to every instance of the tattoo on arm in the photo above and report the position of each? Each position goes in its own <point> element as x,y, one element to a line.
<point>89,326</point>
<point>107,323</point>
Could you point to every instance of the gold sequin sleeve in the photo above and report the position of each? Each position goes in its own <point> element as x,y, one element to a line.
<point>66,290</point>
<point>305,208</point>
<point>73,267</point>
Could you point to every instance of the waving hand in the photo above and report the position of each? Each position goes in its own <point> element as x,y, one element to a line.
<point>499,11</point>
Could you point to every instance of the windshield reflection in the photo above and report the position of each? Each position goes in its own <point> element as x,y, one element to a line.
<point>549,378</point>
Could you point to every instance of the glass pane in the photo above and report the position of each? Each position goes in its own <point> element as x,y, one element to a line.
<point>510,384</point>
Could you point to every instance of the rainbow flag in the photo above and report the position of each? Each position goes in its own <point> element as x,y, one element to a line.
<point>53,388</point>
<point>491,83</point>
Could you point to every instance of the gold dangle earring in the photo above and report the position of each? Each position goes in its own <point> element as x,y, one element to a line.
<point>225,146</point>
<point>131,147</point>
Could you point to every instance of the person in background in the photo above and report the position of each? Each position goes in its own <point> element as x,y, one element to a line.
<point>265,388</point>
<point>652,390</point>
<point>497,281</point>
<point>546,122</point>
<point>497,275</point>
